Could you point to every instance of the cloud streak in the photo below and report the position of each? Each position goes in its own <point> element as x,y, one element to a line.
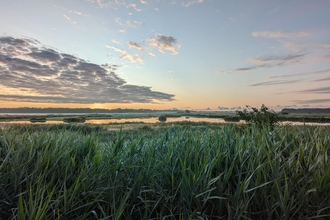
<point>125,55</point>
<point>321,90</point>
<point>135,45</point>
<point>41,74</point>
<point>312,101</point>
<point>280,34</point>
<point>302,74</point>
<point>275,82</point>
<point>265,62</point>
<point>129,24</point>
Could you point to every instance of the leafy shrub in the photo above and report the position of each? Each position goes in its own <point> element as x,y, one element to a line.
<point>74,120</point>
<point>38,119</point>
<point>261,117</point>
<point>162,118</point>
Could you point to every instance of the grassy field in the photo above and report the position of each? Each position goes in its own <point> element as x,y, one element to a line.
<point>176,171</point>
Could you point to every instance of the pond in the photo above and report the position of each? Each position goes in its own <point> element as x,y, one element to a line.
<point>154,120</point>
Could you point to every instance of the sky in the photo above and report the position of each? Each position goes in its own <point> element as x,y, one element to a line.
<point>165,54</point>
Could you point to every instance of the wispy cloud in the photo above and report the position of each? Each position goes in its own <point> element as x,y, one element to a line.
<point>163,42</point>
<point>286,59</point>
<point>275,82</point>
<point>125,55</point>
<point>321,90</point>
<point>67,17</point>
<point>280,34</point>
<point>191,2</point>
<point>115,41</point>
<point>107,3</point>
<point>135,45</point>
<point>322,58</point>
<point>266,62</point>
<point>130,24</point>
<point>54,77</point>
<point>151,54</point>
<point>298,47</point>
<point>79,13</point>
<point>134,7</point>
<point>302,74</point>
<point>143,2</point>
<point>312,101</point>
<point>322,79</point>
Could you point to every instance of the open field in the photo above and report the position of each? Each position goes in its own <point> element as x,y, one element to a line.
<point>164,171</point>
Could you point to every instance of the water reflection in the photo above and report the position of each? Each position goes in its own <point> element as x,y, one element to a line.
<point>155,120</point>
<point>28,122</point>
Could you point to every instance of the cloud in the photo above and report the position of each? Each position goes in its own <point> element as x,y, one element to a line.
<point>134,7</point>
<point>115,41</point>
<point>286,59</point>
<point>302,74</point>
<point>299,47</point>
<point>117,3</point>
<point>323,58</point>
<point>67,17</point>
<point>275,82</point>
<point>163,42</point>
<point>151,54</point>
<point>79,13</point>
<point>130,24</point>
<point>266,62</point>
<point>321,90</point>
<point>39,74</point>
<point>189,3</point>
<point>280,34</point>
<point>125,55</point>
<point>322,79</point>
<point>135,45</point>
<point>106,4</point>
<point>312,101</point>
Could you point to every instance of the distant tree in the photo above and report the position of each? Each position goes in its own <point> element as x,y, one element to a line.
<point>162,118</point>
<point>261,117</point>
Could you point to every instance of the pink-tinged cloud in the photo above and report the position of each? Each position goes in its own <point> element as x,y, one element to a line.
<point>280,34</point>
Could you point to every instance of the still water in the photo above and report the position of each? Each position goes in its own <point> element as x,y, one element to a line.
<point>155,120</point>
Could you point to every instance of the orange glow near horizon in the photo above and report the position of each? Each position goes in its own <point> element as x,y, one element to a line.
<point>165,105</point>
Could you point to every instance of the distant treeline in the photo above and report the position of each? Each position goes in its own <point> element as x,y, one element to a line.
<point>306,111</point>
<point>76,110</point>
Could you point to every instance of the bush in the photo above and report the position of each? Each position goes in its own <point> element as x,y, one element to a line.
<point>162,118</point>
<point>38,119</point>
<point>260,117</point>
<point>74,120</point>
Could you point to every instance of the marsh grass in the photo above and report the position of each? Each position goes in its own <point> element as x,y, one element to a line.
<point>176,172</point>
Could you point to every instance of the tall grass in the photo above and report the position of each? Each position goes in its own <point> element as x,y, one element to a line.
<point>233,172</point>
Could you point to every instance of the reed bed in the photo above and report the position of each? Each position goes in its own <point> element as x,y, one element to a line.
<point>180,172</point>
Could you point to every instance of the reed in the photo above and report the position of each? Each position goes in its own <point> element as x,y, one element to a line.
<point>180,172</point>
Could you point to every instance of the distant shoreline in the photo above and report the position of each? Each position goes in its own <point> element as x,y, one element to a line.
<point>78,111</point>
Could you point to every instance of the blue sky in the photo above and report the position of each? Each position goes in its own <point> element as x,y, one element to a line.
<point>186,54</point>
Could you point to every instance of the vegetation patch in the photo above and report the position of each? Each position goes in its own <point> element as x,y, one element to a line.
<point>260,117</point>
<point>162,118</point>
<point>74,120</point>
<point>232,118</point>
<point>38,119</point>
<point>174,172</point>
